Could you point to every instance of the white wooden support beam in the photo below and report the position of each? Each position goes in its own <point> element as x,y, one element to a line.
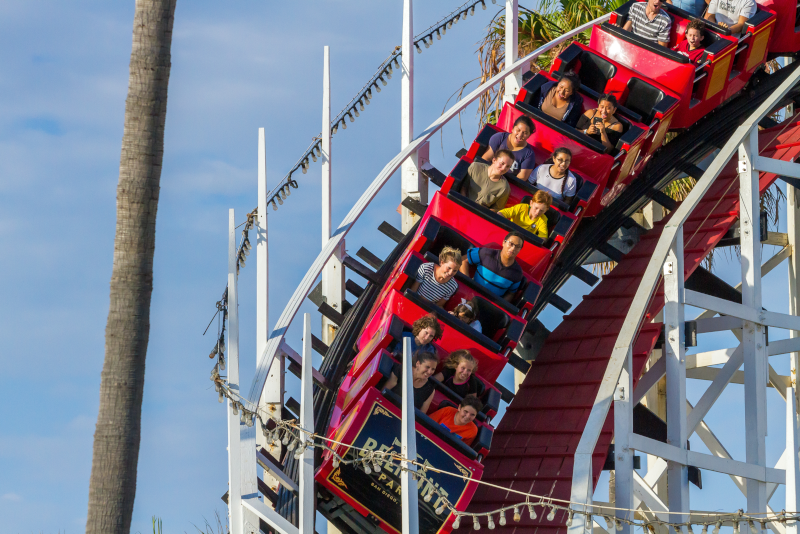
<point>273,518</point>
<point>790,458</point>
<point>306,478</point>
<point>753,342</point>
<point>671,453</point>
<point>791,452</point>
<point>648,380</point>
<point>726,307</point>
<point>768,265</point>
<point>623,455</point>
<point>408,448</point>
<point>646,494</point>
<point>241,474</point>
<point>234,449</point>
<point>333,273</point>
<point>675,360</point>
<point>272,398</point>
<point>412,182</point>
<point>776,166</point>
<point>714,390</point>
<point>514,82</point>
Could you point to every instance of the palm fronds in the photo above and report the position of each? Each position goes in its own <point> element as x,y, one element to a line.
<point>552,19</point>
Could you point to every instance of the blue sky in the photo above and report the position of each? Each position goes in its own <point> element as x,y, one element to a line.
<point>235,67</point>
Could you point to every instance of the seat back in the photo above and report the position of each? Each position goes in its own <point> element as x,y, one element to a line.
<point>642,98</point>
<point>595,72</point>
<point>492,318</point>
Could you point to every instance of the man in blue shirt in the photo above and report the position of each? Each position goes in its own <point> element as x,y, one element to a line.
<point>497,270</point>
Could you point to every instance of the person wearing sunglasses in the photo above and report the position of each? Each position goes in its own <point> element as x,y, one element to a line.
<point>497,269</point>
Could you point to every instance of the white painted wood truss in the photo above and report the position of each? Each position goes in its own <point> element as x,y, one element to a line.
<point>745,364</point>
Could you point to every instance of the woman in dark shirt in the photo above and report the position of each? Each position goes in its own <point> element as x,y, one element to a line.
<point>517,143</point>
<point>459,374</point>
<point>561,100</point>
<point>424,366</point>
<point>601,124</point>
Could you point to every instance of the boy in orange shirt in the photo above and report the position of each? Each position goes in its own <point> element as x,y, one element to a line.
<point>459,421</point>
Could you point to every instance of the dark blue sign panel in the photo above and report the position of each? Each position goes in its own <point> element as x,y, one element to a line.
<point>380,492</point>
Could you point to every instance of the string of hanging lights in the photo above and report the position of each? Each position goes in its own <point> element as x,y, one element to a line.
<point>297,440</point>
<point>365,95</point>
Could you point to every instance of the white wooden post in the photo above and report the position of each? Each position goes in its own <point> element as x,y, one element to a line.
<point>623,455</point>
<point>235,510</point>
<point>791,463</point>
<point>306,478</point>
<point>412,183</point>
<point>273,390</point>
<point>674,352</point>
<point>408,447</point>
<point>513,83</point>
<point>333,274</point>
<point>753,344</point>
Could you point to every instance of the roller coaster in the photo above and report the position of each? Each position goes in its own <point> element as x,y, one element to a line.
<point>660,93</point>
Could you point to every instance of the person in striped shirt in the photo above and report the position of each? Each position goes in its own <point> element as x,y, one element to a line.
<point>497,270</point>
<point>649,21</point>
<point>435,282</point>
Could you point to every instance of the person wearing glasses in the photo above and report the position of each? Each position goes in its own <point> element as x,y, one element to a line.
<point>497,270</point>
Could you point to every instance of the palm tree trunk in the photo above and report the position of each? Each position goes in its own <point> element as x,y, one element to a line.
<point>112,486</point>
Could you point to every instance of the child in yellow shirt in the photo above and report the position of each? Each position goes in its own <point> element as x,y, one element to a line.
<point>531,216</point>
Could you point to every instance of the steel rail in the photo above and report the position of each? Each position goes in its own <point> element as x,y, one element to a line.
<point>301,292</point>
<point>582,486</point>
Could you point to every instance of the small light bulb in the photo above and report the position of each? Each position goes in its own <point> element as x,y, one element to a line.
<point>464,15</point>
<point>618,524</point>
<point>335,462</point>
<point>352,119</point>
<point>376,466</point>
<point>531,511</point>
<point>552,514</point>
<point>735,527</point>
<point>355,110</point>
<point>609,523</point>
<point>705,529</point>
<point>472,10</point>
<point>569,518</point>
<point>457,522</point>
<point>517,515</point>
<point>752,526</point>
<point>427,497</point>
<point>438,35</point>
<point>280,200</point>
<point>716,527</point>
<point>419,50</point>
<point>491,522</point>
<point>234,408</point>
<point>476,525</point>
<point>292,445</point>
<point>361,104</point>
<point>221,396</point>
<point>440,510</point>
<point>274,206</point>
<point>502,519</point>
<point>483,5</point>
<point>367,470</point>
<point>764,526</point>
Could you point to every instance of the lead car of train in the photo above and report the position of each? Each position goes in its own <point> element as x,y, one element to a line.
<point>658,90</point>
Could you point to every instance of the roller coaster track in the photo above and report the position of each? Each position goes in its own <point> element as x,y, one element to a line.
<point>505,464</point>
